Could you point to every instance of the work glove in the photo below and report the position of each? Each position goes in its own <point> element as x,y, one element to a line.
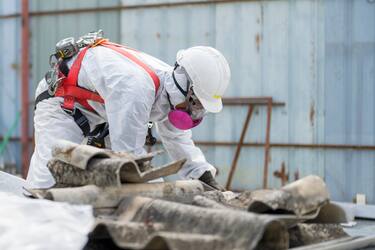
<point>210,181</point>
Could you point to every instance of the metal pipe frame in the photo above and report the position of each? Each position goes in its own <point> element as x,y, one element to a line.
<point>289,145</point>
<point>239,146</point>
<point>251,102</point>
<point>245,101</point>
<point>25,86</point>
<point>124,7</point>
<point>260,144</point>
<point>267,146</point>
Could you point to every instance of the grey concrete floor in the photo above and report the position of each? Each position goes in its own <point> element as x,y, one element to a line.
<point>363,228</point>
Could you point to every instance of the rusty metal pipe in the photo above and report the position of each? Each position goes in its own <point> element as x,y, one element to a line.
<point>25,87</point>
<point>288,145</point>
<point>15,15</point>
<point>267,146</point>
<point>260,144</point>
<point>244,101</point>
<point>239,146</point>
<point>124,7</point>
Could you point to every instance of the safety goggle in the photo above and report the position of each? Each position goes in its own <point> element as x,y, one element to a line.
<point>194,106</point>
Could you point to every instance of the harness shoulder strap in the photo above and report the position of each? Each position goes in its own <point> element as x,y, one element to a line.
<point>42,96</point>
<point>122,50</point>
<point>72,93</point>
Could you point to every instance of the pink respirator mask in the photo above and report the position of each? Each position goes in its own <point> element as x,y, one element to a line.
<point>186,118</point>
<point>189,117</point>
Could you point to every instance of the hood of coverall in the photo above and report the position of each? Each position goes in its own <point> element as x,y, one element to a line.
<point>175,95</point>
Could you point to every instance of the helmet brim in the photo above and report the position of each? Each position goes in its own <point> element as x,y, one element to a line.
<point>213,105</point>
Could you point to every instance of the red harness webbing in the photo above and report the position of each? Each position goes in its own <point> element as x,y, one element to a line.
<point>120,49</point>
<point>72,93</point>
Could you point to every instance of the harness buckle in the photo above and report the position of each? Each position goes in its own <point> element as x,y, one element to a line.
<point>68,105</point>
<point>150,139</point>
<point>90,38</point>
<point>68,110</point>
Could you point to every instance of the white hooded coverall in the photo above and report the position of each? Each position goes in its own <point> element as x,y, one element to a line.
<point>130,102</point>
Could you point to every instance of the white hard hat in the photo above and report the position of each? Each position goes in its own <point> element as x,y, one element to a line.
<point>209,72</point>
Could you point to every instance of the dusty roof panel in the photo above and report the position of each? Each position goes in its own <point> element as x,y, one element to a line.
<point>183,215</point>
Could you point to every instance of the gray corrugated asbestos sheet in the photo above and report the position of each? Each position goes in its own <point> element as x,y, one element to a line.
<point>186,214</point>
<point>316,56</point>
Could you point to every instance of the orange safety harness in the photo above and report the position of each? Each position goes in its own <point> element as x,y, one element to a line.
<point>72,93</point>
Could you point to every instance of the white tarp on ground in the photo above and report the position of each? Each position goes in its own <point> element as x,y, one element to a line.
<point>12,184</point>
<point>30,224</point>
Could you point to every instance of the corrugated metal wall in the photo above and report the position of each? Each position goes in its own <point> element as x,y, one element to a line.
<point>47,30</point>
<point>349,91</point>
<point>316,56</point>
<point>10,33</point>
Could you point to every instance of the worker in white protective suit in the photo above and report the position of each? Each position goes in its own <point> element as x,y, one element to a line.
<point>135,88</point>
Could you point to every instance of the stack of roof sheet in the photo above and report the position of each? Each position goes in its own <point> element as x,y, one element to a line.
<point>134,214</point>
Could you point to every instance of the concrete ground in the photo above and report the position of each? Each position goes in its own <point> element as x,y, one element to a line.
<point>362,228</point>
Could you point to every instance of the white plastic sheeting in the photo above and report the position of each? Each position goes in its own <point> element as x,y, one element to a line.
<point>12,184</point>
<point>30,224</point>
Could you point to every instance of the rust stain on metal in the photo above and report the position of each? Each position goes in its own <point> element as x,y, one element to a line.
<point>258,39</point>
<point>282,174</point>
<point>157,35</point>
<point>15,66</point>
<point>312,114</point>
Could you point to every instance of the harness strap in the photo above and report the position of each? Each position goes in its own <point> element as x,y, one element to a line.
<point>121,49</point>
<point>64,69</point>
<point>73,93</point>
<point>79,118</point>
<point>70,90</point>
<point>82,121</point>
<point>42,96</point>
